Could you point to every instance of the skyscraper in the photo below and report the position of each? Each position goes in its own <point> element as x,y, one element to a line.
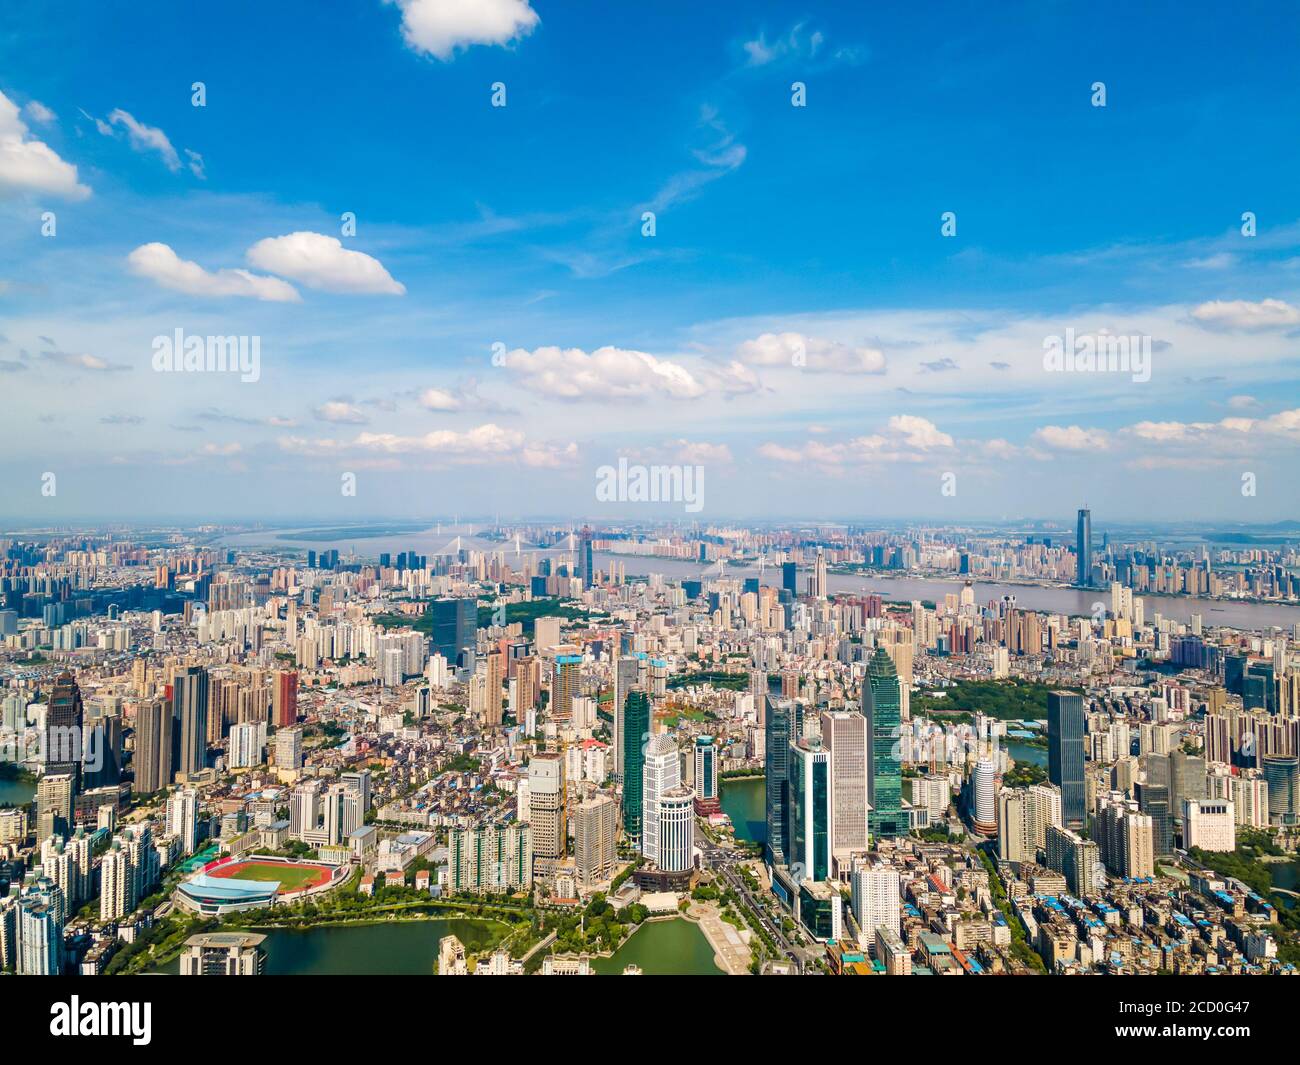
<point>636,731</point>
<point>567,684</point>
<point>1065,753</point>
<point>661,772</point>
<point>790,579</point>
<point>595,826</point>
<point>455,627</point>
<point>1083,549</point>
<point>190,720</point>
<point>810,809</point>
<point>778,735</point>
<point>546,806</point>
<point>885,769</point>
<point>676,817</point>
<point>705,776</point>
<point>284,703</point>
<point>844,735</point>
<point>586,569</point>
<point>61,752</point>
<point>152,760</point>
<point>626,672</point>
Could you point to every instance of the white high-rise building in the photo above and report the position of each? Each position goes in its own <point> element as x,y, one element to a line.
<point>662,772</point>
<point>116,883</point>
<point>876,900</point>
<point>183,818</point>
<point>844,735</point>
<point>984,794</point>
<point>1210,824</point>
<point>247,744</point>
<point>675,814</point>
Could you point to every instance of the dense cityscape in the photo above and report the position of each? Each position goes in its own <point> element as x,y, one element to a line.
<point>535,753</point>
<point>558,488</point>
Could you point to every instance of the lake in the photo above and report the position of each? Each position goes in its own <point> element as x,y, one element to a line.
<point>663,948</point>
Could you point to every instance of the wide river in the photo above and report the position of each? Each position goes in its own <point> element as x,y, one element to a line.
<point>1056,600</point>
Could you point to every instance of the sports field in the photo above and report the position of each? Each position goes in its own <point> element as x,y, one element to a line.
<point>291,877</point>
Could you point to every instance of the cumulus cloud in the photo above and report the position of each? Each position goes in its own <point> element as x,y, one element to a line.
<point>918,432</point>
<point>618,373</point>
<point>905,438</point>
<point>1247,316</point>
<point>341,412</point>
<point>322,262</point>
<point>440,27</point>
<point>160,264</point>
<point>814,354</point>
<point>29,165</point>
<point>1071,438</point>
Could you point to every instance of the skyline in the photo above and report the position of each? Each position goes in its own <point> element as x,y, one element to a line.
<point>797,326</point>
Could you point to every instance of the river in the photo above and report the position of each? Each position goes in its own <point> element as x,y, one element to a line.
<point>1055,600</point>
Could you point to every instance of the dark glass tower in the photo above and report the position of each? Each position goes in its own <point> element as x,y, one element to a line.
<point>1065,753</point>
<point>190,720</point>
<point>779,732</point>
<point>884,767</point>
<point>790,578</point>
<point>586,570</point>
<point>63,722</point>
<point>636,731</point>
<point>455,623</point>
<point>1083,548</point>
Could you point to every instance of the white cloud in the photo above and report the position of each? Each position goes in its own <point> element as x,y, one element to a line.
<point>618,373</point>
<point>340,412</point>
<point>145,138</point>
<point>440,399</point>
<point>440,27</point>
<point>481,444</point>
<point>700,452</point>
<point>162,265</point>
<point>28,165</point>
<point>905,438</point>
<point>918,432</point>
<point>322,262</point>
<point>39,113</point>
<point>1247,316</point>
<point>1071,438</point>
<point>813,354</point>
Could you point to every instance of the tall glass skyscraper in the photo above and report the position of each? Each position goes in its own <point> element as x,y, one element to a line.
<point>809,810</point>
<point>636,731</point>
<point>884,769</point>
<point>1083,548</point>
<point>455,625</point>
<point>1065,753</point>
<point>779,732</point>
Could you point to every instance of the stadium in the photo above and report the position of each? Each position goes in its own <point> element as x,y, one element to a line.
<point>232,884</point>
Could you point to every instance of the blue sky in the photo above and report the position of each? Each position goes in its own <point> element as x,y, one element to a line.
<point>781,233</point>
